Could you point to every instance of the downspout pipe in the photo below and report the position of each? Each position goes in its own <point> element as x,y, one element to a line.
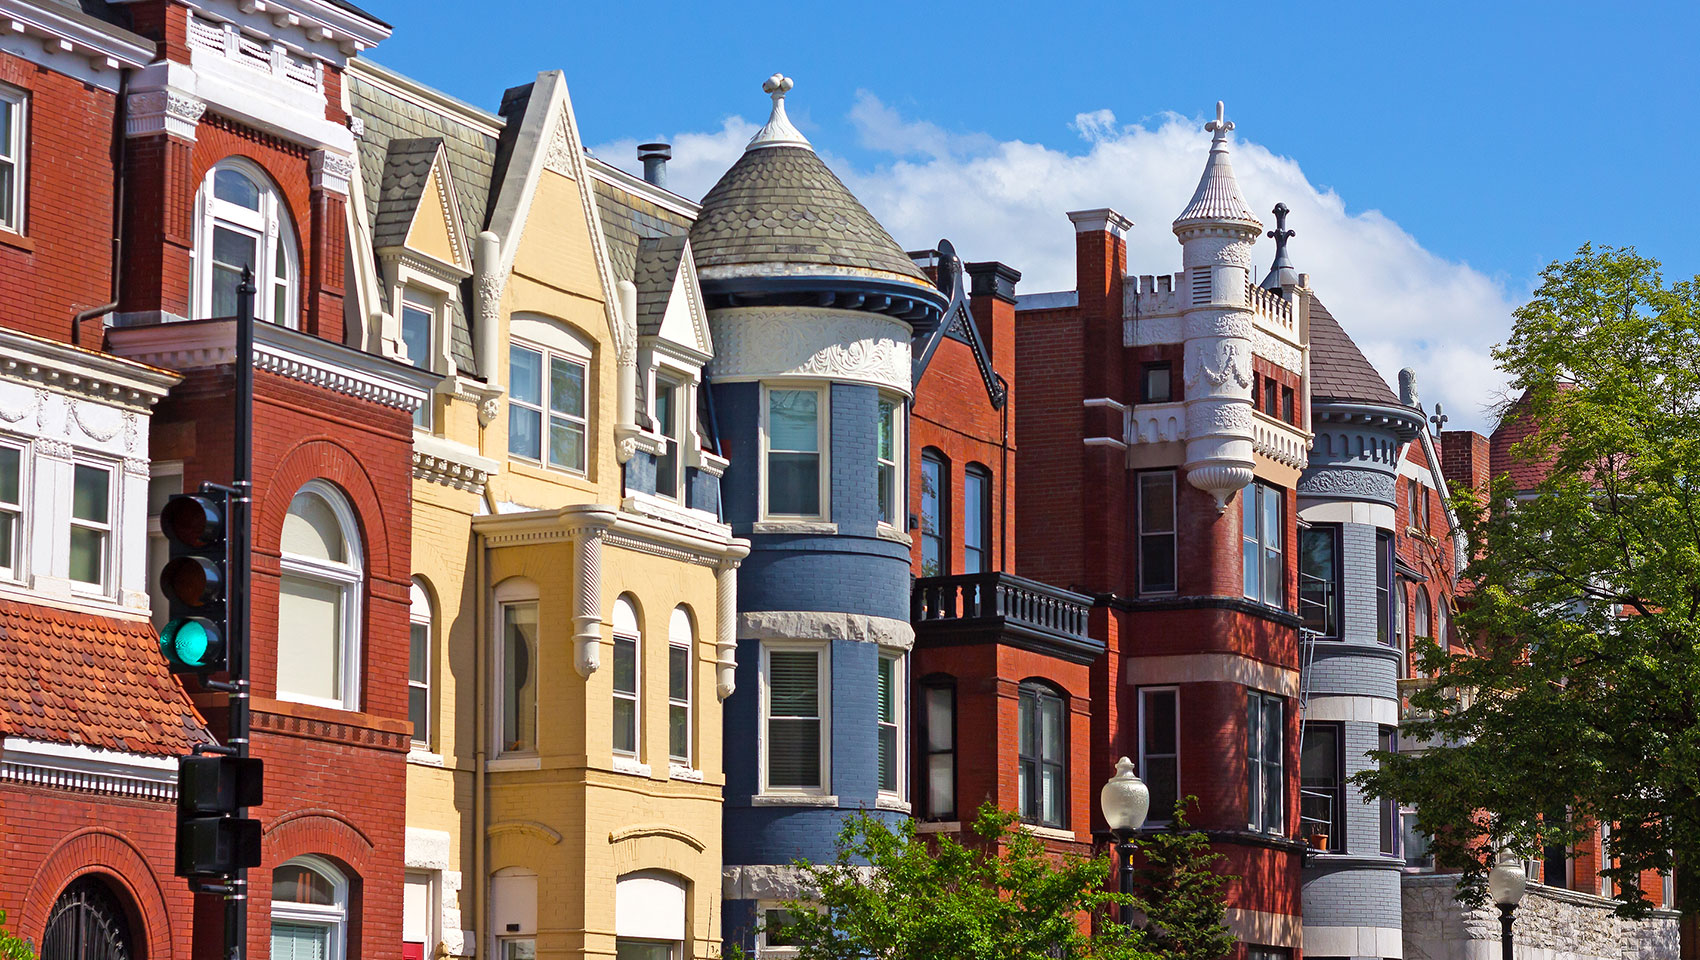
<point>119,117</point>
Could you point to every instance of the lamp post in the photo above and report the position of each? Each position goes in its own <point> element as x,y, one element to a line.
<point>1125,802</point>
<point>1506,883</point>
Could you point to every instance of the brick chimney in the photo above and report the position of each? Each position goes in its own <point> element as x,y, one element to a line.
<point>991,293</point>
<point>1100,265</point>
<point>1464,459</point>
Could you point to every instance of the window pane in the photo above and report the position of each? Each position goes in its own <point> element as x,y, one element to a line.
<point>8,541</point>
<point>934,561</point>
<point>793,483</point>
<point>310,529</point>
<point>793,420</point>
<point>793,683</point>
<point>665,398</point>
<point>418,652</point>
<point>642,950</point>
<point>566,387</point>
<point>10,474</point>
<point>679,673</point>
<point>1051,712</point>
<point>418,712</point>
<point>1253,751</point>
<point>8,175</point>
<point>941,720</point>
<point>1162,774</point>
<point>519,686</point>
<point>88,554</point>
<point>1026,729</point>
<point>793,750</point>
<point>976,497</point>
<point>235,187</point>
<point>309,657</point>
<point>793,753</point>
<point>625,665</point>
<point>90,487</point>
<point>525,432</point>
<point>7,111</point>
<point>1160,732</point>
<point>679,732</point>
<point>566,443</point>
<point>887,690</point>
<point>1157,563</point>
<point>941,785</point>
<point>231,253</point>
<point>300,941</point>
<point>625,725</point>
<point>888,758</point>
<point>1251,564</point>
<point>1156,502</point>
<point>525,375</point>
<point>416,335</point>
<point>1316,580</point>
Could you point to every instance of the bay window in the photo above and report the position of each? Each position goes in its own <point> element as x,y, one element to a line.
<point>889,457</point>
<point>1261,517</point>
<point>242,223</point>
<point>547,420</point>
<point>91,524</point>
<point>319,600</point>
<point>1265,743</point>
<point>794,715</point>
<point>1157,532</point>
<point>1319,579</point>
<point>1322,787</point>
<point>794,432</point>
<point>628,642</point>
<point>1159,749</point>
<point>976,519</point>
<point>935,516</point>
<point>891,710</point>
<point>1042,754</point>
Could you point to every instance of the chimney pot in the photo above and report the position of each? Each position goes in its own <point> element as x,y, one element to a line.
<point>654,157</point>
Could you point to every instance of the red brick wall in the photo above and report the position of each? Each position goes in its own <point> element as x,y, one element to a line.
<point>62,263</point>
<point>53,836</point>
<point>1464,460</point>
<point>1049,362</point>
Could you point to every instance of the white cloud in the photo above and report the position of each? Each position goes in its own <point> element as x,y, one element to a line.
<point>1006,200</point>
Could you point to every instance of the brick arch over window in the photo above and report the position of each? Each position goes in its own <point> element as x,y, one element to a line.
<point>327,835</point>
<point>327,458</point>
<point>127,872</point>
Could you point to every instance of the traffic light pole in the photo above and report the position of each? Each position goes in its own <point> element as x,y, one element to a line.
<point>240,541</point>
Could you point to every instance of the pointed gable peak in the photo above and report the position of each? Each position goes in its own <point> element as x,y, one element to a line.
<point>418,207</point>
<point>778,132</point>
<point>1218,195</point>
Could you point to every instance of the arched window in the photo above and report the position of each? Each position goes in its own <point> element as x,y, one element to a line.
<point>935,514</point>
<point>516,685</point>
<point>976,519</point>
<point>242,221</point>
<point>318,655</point>
<point>1419,626</point>
<point>628,649</point>
<point>1042,749</point>
<point>420,647</point>
<point>649,916</point>
<point>309,911</point>
<point>681,656</point>
<point>87,923</point>
<point>1442,631</point>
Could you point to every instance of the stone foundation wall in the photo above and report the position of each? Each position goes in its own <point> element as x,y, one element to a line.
<point>1552,924</point>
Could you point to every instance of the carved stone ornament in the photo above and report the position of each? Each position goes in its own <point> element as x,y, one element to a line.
<point>1223,363</point>
<point>163,111</point>
<point>756,343</point>
<point>1347,484</point>
<point>1234,255</point>
<point>1202,325</point>
<point>1282,354</point>
<point>558,158</point>
<point>487,411</point>
<point>31,408</point>
<point>91,425</point>
<point>1208,419</point>
<point>54,449</point>
<point>489,297</point>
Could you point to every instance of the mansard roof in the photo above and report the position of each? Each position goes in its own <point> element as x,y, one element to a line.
<point>1338,369</point>
<point>81,678</point>
<point>407,167</point>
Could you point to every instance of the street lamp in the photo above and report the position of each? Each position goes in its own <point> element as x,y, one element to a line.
<point>1125,802</point>
<point>1506,882</point>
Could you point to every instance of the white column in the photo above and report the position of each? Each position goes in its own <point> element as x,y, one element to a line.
<point>726,628</point>
<point>587,603</point>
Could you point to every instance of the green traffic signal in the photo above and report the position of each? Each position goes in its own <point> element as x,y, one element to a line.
<point>192,644</point>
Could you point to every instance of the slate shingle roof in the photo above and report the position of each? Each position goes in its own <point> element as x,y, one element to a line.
<point>101,682</point>
<point>1338,369</point>
<point>407,165</point>
<point>658,261</point>
<point>629,219</point>
<point>783,206</point>
<point>471,156</point>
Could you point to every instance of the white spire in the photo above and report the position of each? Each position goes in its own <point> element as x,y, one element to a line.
<point>779,132</point>
<point>1218,194</point>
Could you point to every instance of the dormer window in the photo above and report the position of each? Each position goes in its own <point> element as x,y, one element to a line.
<point>242,222</point>
<point>667,411</point>
<point>418,321</point>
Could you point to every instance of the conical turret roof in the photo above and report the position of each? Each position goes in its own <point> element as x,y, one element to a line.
<point>1218,196</point>
<point>781,212</point>
<point>1338,369</point>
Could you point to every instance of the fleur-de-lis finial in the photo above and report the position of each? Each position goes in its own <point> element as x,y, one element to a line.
<point>1281,233</point>
<point>777,86</point>
<point>1221,125</point>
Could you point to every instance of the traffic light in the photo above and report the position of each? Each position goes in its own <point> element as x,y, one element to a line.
<point>211,840</point>
<point>195,636</point>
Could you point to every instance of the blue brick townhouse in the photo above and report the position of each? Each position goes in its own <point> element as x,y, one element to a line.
<point>812,307</point>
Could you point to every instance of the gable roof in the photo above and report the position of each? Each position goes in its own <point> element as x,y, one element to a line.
<point>1338,369</point>
<point>407,168</point>
<point>469,151</point>
<point>79,678</point>
<point>658,261</point>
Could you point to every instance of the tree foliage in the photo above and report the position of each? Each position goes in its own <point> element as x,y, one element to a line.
<point>13,947</point>
<point>1580,701</point>
<point>899,895</point>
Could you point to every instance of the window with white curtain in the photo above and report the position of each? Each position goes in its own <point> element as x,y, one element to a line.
<point>628,670</point>
<point>1266,738</point>
<point>938,717</point>
<point>1042,755</point>
<point>681,654</point>
<point>309,911</point>
<point>242,222</point>
<point>649,916</point>
<point>419,650</point>
<point>319,599</point>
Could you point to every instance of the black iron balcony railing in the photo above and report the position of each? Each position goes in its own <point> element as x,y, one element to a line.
<point>984,603</point>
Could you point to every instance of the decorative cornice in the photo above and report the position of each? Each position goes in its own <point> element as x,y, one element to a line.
<point>1347,483</point>
<point>89,770</point>
<point>449,473</point>
<point>768,343</point>
<point>103,378</point>
<point>353,734</point>
<point>168,111</point>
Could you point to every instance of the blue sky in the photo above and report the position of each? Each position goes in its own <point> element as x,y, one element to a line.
<point>1490,138</point>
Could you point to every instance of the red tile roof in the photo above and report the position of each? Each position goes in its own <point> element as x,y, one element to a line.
<point>85,679</point>
<point>1515,426</point>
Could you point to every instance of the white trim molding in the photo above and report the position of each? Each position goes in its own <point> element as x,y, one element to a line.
<point>798,625</point>
<point>1384,942</point>
<point>777,344</point>
<point>88,769</point>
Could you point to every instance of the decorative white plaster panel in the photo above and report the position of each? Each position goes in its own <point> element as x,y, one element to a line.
<point>770,343</point>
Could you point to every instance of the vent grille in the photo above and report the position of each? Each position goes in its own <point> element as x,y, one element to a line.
<point>1200,285</point>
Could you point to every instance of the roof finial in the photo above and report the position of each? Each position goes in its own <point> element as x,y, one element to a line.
<point>1218,195</point>
<point>1221,125</point>
<point>779,132</point>
<point>1281,272</point>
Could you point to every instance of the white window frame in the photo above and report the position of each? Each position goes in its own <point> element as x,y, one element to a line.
<point>334,918</point>
<point>823,442</point>
<point>507,595</point>
<point>635,695</point>
<point>680,382</point>
<point>893,484</point>
<point>422,613</point>
<point>688,644</point>
<point>13,569</point>
<point>764,950</point>
<point>548,353</point>
<point>1252,497</point>
<point>350,578</point>
<point>1604,840</point>
<point>272,228</point>
<point>432,881</point>
<point>15,102</point>
<point>1160,817</point>
<point>900,712</point>
<point>109,529</point>
<point>429,303</point>
<point>823,683</point>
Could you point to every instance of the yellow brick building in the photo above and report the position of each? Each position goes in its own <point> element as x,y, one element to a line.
<point>574,589</point>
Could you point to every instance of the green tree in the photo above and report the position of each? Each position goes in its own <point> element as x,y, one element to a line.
<point>1179,891</point>
<point>1580,702</point>
<point>895,894</point>
<point>13,947</point>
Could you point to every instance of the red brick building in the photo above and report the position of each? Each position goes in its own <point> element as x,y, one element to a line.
<point>1002,664</point>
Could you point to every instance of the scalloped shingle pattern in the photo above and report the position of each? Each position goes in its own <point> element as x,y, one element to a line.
<point>1218,194</point>
<point>1338,369</point>
<point>96,681</point>
<point>782,205</point>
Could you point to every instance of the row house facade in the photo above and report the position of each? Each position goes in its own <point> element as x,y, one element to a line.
<point>573,583</point>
